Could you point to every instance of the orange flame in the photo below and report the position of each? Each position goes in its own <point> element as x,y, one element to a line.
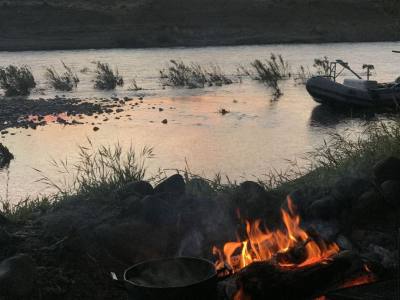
<point>289,248</point>
<point>367,277</point>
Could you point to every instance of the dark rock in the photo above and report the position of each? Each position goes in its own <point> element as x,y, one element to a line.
<point>142,188</point>
<point>369,208</point>
<point>165,121</point>
<point>3,219</point>
<point>172,185</point>
<point>132,241</point>
<point>391,192</point>
<point>254,202</point>
<point>96,128</point>
<point>198,187</point>
<point>387,169</point>
<point>5,238</point>
<point>303,198</point>
<point>325,208</point>
<point>161,210</point>
<point>17,276</point>
<point>350,188</point>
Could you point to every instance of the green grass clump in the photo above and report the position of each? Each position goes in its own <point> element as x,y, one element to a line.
<point>16,81</point>
<point>66,81</point>
<point>339,156</point>
<point>180,74</point>
<point>99,172</point>
<point>106,78</point>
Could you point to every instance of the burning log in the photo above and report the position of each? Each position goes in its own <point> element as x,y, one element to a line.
<point>265,280</point>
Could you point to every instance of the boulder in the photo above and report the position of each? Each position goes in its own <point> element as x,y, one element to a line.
<point>369,208</point>
<point>172,185</point>
<point>327,207</point>
<point>3,219</point>
<point>5,238</point>
<point>138,188</point>
<point>347,189</point>
<point>391,192</point>
<point>387,169</point>
<point>198,187</point>
<point>254,202</point>
<point>161,209</point>
<point>158,209</point>
<point>17,276</point>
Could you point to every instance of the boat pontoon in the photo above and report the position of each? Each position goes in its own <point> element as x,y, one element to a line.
<point>353,92</point>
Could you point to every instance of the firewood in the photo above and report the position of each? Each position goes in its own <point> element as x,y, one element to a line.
<point>264,280</point>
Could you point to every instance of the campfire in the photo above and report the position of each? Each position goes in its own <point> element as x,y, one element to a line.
<point>289,248</point>
<point>264,259</point>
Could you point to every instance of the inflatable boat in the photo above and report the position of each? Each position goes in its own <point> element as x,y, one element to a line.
<point>354,92</point>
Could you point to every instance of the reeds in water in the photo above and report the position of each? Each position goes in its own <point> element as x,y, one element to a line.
<point>16,81</point>
<point>106,78</point>
<point>193,75</point>
<point>66,81</point>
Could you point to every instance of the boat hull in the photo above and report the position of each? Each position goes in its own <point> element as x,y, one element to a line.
<point>326,91</point>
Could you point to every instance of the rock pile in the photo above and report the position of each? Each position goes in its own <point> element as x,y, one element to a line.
<point>67,253</point>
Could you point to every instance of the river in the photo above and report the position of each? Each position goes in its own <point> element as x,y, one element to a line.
<point>258,134</point>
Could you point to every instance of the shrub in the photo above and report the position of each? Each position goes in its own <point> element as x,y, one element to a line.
<point>16,81</point>
<point>179,74</point>
<point>67,81</point>
<point>106,78</point>
<point>5,156</point>
<point>270,72</point>
<point>322,66</point>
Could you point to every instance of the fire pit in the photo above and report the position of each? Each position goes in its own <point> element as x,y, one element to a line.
<point>178,278</point>
<point>288,263</point>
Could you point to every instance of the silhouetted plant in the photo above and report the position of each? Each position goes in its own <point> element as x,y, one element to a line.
<point>106,78</point>
<point>193,75</point>
<point>270,72</point>
<point>134,86</point>
<point>302,75</point>
<point>5,156</point>
<point>66,81</point>
<point>322,66</point>
<point>16,81</point>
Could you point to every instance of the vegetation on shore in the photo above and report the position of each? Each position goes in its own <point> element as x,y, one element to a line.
<point>99,173</point>
<point>16,81</point>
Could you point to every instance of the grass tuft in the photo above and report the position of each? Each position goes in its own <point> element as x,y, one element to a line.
<point>66,81</point>
<point>106,78</point>
<point>16,81</point>
<point>99,172</point>
<point>180,74</point>
<point>270,72</point>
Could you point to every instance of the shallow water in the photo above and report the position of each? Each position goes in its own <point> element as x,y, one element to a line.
<point>256,136</point>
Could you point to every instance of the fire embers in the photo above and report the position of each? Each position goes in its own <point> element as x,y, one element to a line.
<point>291,247</point>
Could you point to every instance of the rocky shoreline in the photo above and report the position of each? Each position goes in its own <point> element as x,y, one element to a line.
<point>67,249</point>
<point>31,113</point>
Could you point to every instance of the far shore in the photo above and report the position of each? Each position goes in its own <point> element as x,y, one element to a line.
<point>55,25</point>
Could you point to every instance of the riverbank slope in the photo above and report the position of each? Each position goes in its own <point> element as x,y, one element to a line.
<point>58,24</point>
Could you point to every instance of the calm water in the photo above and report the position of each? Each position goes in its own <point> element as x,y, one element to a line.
<point>255,137</point>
